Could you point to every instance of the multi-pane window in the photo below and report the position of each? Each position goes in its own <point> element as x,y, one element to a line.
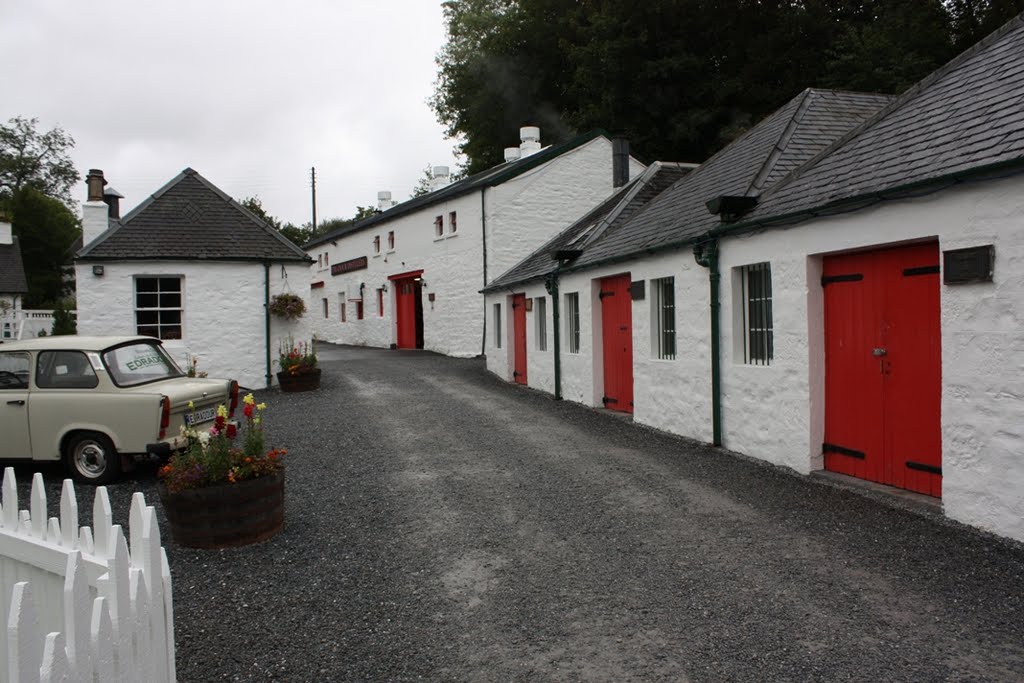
<point>453,225</point>
<point>663,317</point>
<point>439,226</point>
<point>540,320</point>
<point>497,326</point>
<point>376,244</point>
<point>158,307</point>
<point>391,240</point>
<point>572,322</point>
<point>756,298</point>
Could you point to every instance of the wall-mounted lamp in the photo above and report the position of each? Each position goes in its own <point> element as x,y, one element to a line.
<point>384,287</point>
<point>97,271</point>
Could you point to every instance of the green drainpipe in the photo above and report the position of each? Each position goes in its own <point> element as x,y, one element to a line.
<point>706,255</point>
<point>551,284</point>
<point>266,315</point>
<point>483,229</point>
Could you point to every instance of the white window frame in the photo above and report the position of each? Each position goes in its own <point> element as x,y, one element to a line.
<point>755,329</point>
<point>163,298</point>
<point>572,322</point>
<point>497,326</point>
<point>453,225</point>
<point>540,322</point>
<point>663,318</point>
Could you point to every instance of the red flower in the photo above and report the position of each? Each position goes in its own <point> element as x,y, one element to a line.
<point>219,423</point>
<point>233,430</point>
<point>248,410</point>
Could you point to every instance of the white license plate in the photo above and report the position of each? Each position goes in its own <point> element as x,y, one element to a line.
<point>200,416</point>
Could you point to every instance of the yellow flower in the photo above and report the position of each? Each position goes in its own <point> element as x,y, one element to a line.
<point>191,406</point>
<point>249,399</point>
<point>261,406</point>
<point>222,410</point>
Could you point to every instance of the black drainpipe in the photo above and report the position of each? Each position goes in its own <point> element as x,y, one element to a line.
<point>706,255</point>
<point>551,284</point>
<point>266,316</point>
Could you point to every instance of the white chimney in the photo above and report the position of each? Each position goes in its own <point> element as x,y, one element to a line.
<point>384,201</point>
<point>94,210</point>
<point>511,154</point>
<point>530,137</point>
<point>440,178</point>
<point>6,234</point>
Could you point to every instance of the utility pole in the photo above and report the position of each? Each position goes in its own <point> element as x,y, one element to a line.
<point>312,177</point>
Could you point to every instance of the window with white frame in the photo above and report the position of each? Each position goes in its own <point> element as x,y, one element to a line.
<point>159,307</point>
<point>663,318</point>
<point>327,308</point>
<point>540,322</point>
<point>439,226</point>
<point>755,296</point>
<point>342,312</point>
<point>376,244</point>
<point>391,240</point>
<point>453,225</point>
<point>497,326</point>
<point>572,322</point>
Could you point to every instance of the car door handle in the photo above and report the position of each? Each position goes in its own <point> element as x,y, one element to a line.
<point>16,403</point>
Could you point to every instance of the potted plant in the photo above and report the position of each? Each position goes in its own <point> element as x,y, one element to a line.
<point>288,306</point>
<point>225,489</point>
<point>299,371</point>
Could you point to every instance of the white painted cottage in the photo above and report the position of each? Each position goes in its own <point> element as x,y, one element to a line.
<point>860,314</point>
<point>13,285</point>
<point>189,265</point>
<point>409,277</point>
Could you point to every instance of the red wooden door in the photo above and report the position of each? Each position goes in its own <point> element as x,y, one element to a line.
<point>519,338</point>
<point>617,339</point>
<point>883,367</point>
<point>405,305</point>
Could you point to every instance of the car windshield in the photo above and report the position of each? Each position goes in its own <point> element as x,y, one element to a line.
<point>138,363</point>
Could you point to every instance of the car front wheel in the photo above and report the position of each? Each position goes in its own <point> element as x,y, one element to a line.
<point>92,459</point>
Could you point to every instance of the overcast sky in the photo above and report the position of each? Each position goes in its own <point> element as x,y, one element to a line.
<point>249,93</point>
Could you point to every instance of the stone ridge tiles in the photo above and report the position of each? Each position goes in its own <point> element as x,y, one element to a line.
<point>12,269</point>
<point>805,125</point>
<point>489,178</point>
<point>660,176</point>
<point>190,218</point>
<point>965,117</point>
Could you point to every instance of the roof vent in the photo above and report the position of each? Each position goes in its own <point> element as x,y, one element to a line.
<point>384,201</point>
<point>512,154</point>
<point>731,207</point>
<point>530,137</point>
<point>94,183</point>
<point>439,178</point>
<point>113,199</point>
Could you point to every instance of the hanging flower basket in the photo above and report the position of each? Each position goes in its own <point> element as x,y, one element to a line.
<point>288,306</point>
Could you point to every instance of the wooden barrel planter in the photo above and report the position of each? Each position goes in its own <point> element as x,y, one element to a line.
<point>227,515</point>
<point>304,381</point>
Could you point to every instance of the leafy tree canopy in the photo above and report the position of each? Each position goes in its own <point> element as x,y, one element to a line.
<point>29,158</point>
<point>680,78</point>
<point>47,231</point>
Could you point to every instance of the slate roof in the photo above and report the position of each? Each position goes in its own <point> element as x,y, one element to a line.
<point>489,178</point>
<point>677,216</point>
<point>966,118</point>
<point>607,215</point>
<point>189,218</point>
<point>12,270</point>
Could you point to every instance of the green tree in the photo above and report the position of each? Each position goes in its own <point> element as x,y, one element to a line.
<point>680,78</point>
<point>29,158</point>
<point>47,231</point>
<point>63,321</point>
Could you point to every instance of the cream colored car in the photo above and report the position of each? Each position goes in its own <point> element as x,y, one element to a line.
<point>96,401</point>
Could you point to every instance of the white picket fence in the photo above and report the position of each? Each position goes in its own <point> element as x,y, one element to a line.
<point>78,605</point>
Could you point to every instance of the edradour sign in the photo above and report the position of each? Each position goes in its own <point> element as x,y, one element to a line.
<point>349,266</point>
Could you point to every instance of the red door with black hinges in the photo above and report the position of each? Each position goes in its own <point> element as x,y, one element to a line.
<point>883,367</point>
<point>617,340</point>
<point>519,338</point>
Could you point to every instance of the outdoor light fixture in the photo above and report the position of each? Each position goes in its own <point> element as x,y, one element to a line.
<point>97,271</point>
<point>384,287</point>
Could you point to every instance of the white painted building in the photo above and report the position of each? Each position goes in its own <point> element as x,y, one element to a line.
<point>869,302</point>
<point>191,266</point>
<point>409,277</point>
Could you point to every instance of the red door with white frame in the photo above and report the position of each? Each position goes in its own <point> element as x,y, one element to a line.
<point>883,367</point>
<point>519,338</point>
<point>617,340</point>
<point>408,310</point>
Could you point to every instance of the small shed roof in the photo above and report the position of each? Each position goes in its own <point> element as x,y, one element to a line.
<point>12,270</point>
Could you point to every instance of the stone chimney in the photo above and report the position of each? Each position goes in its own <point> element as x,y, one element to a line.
<point>512,154</point>
<point>6,233</point>
<point>384,201</point>
<point>94,210</point>
<point>440,178</point>
<point>530,140</point>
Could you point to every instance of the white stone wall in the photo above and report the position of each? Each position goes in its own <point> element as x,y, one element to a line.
<point>223,319</point>
<point>522,214</point>
<point>776,412</point>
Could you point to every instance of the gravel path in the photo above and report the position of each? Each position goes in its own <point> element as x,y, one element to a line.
<point>444,526</point>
